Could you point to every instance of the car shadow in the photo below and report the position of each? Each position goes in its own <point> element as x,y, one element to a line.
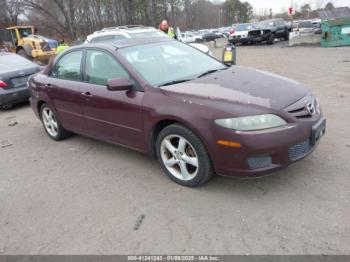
<point>218,185</point>
<point>15,107</point>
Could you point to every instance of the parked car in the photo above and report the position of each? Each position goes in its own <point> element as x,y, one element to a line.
<point>269,30</point>
<point>188,37</point>
<point>210,36</point>
<point>226,31</point>
<point>218,32</point>
<point>14,73</point>
<point>307,27</point>
<point>165,98</point>
<point>240,35</point>
<point>112,34</point>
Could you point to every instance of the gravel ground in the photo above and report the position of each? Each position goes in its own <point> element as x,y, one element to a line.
<point>82,196</point>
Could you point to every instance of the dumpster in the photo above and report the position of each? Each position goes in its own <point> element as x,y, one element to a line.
<point>336,32</point>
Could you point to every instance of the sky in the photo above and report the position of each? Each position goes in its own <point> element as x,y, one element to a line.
<point>278,5</point>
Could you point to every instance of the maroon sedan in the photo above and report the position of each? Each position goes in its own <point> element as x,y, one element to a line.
<point>196,115</point>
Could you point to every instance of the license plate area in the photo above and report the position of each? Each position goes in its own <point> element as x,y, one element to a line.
<point>19,81</point>
<point>318,131</point>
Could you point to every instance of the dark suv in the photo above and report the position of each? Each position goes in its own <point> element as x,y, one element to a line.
<point>269,30</point>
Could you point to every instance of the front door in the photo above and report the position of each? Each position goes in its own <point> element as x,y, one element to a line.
<point>111,115</point>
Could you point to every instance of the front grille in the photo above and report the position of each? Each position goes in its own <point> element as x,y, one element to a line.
<point>299,150</point>
<point>255,33</point>
<point>259,162</point>
<point>300,108</point>
<point>300,113</point>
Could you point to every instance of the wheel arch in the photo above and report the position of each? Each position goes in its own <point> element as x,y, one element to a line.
<point>163,123</point>
<point>39,105</point>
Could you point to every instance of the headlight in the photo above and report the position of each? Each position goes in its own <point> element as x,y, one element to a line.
<point>250,123</point>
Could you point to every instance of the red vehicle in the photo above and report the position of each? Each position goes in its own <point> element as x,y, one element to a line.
<point>165,98</point>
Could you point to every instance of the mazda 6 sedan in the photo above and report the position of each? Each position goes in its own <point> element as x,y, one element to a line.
<point>196,115</point>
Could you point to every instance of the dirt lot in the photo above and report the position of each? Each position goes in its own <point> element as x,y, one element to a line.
<point>85,196</point>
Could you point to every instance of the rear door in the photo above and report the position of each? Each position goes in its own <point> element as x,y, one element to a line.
<point>111,115</point>
<point>64,90</point>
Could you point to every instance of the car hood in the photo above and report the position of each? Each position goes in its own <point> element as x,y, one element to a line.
<point>241,85</point>
<point>200,47</point>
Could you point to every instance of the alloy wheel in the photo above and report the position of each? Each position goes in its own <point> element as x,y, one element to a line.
<point>50,122</point>
<point>179,157</point>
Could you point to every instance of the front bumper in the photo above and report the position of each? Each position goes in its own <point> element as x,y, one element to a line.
<point>239,40</point>
<point>14,96</point>
<point>264,151</point>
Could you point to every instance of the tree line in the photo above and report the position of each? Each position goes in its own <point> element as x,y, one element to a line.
<point>77,18</point>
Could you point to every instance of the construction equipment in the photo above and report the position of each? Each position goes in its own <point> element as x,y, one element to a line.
<point>21,40</point>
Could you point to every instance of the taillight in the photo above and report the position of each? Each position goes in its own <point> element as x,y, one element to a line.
<point>3,84</point>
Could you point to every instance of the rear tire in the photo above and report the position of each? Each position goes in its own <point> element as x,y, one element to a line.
<point>51,124</point>
<point>183,156</point>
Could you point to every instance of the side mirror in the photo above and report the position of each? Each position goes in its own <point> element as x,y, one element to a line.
<point>119,84</point>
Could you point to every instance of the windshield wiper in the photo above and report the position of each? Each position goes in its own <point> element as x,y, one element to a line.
<point>210,72</point>
<point>175,82</point>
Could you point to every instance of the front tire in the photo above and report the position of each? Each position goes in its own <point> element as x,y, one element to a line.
<point>183,156</point>
<point>271,39</point>
<point>51,124</point>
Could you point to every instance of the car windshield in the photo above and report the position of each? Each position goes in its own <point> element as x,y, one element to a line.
<point>169,62</point>
<point>243,27</point>
<point>148,34</point>
<point>265,24</point>
<point>7,61</point>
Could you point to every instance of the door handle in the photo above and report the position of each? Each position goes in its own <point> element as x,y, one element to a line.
<point>87,94</point>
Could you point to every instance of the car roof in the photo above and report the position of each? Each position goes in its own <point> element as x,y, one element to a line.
<point>126,43</point>
<point>123,30</point>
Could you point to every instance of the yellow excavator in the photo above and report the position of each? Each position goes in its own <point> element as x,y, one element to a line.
<point>23,41</point>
